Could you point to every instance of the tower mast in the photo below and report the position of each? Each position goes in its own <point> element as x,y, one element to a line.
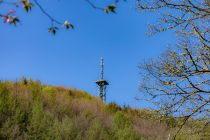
<point>102,84</point>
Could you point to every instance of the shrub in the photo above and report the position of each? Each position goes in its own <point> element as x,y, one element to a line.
<point>123,129</point>
<point>112,107</point>
<point>97,132</point>
<point>39,123</point>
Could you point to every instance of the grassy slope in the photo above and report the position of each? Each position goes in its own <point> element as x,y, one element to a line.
<point>29,110</point>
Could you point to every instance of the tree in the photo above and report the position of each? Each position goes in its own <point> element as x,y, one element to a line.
<point>178,82</point>
<point>189,17</point>
<point>181,80</point>
<point>10,16</point>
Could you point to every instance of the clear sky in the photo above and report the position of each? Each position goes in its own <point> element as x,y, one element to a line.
<point>71,58</point>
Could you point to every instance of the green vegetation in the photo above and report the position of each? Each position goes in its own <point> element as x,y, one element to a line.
<point>30,110</point>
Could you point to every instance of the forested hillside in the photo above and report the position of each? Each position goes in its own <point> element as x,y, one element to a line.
<point>30,110</point>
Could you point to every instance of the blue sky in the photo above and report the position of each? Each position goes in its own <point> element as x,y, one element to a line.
<point>71,58</point>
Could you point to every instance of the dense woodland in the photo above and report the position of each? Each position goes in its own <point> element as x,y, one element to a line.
<point>30,110</point>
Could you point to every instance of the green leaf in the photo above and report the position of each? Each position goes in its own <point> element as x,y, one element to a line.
<point>110,8</point>
<point>53,30</point>
<point>12,20</point>
<point>68,25</point>
<point>27,5</point>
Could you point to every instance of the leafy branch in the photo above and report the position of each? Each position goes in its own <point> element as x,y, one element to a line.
<point>11,18</point>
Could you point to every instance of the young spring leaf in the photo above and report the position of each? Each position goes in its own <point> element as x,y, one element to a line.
<point>68,25</point>
<point>27,5</point>
<point>53,30</point>
<point>11,19</point>
<point>110,8</point>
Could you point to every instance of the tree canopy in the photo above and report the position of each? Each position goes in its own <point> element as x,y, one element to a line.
<point>189,17</point>
<point>178,82</point>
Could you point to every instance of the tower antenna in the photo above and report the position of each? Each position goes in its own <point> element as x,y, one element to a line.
<point>102,84</point>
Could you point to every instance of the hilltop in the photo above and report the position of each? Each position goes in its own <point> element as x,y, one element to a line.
<point>31,110</point>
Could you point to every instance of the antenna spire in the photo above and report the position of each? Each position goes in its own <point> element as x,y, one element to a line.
<point>102,68</point>
<point>102,84</point>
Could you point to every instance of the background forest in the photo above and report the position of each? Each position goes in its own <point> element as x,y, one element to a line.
<point>30,110</point>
